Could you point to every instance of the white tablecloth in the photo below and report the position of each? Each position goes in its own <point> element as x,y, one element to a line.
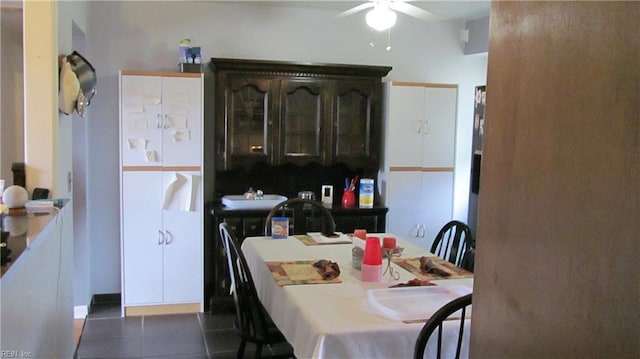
<point>336,320</point>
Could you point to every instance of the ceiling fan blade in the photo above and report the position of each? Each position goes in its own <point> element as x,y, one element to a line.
<point>356,9</point>
<point>414,11</point>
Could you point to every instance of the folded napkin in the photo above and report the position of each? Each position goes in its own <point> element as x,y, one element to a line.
<point>427,266</point>
<point>329,238</point>
<point>415,282</point>
<point>327,269</point>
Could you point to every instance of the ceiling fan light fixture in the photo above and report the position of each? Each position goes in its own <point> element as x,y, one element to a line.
<point>381,17</point>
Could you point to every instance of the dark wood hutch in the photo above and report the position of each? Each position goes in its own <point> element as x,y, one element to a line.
<point>285,127</point>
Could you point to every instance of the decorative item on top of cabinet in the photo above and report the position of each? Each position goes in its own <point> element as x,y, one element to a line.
<point>161,192</point>
<point>419,152</point>
<point>284,112</point>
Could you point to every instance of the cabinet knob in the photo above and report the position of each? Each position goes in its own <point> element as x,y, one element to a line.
<point>425,128</point>
<point>418,231</point>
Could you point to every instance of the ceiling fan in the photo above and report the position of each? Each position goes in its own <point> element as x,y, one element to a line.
<point>383,16</point>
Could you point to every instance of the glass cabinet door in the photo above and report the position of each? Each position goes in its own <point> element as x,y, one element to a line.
<point>354,133</point>
<point>248,120</point>
<point>301,129</point>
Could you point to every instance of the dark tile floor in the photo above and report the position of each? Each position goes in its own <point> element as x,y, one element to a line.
<point>180,336</point>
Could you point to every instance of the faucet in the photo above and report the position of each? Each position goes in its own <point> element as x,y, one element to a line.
<point>251,194</point>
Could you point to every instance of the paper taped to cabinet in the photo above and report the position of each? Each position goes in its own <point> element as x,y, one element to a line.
<point>133,108</point>
<point>136,124</point>
<point>181,193</point>
<point>151,100</point>
<point>178,98</point>
<point>137,143</point>
<point>151,156</point>
<point>181,136</point>
<point>177,110</point>
<point>176,122</point>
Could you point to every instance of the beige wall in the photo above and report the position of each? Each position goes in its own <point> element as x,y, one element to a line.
<point>559,211</point>
<point>40,94</point>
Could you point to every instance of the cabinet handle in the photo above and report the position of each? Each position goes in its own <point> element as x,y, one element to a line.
<point>419,231</point>
<point>419,129</point>
<point>425,128</point>
<point>160,237</point>
<point>169,236</point>
<point>158,121</point>
<point>165,123</point>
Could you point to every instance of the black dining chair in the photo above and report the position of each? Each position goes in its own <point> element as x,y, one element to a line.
<point>253,323</point>
<point>453,242</point>
<point>461,305</point>
<point>305,215</point>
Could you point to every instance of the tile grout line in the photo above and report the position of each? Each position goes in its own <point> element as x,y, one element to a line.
<point>142,336</point>
<point>202,335</point>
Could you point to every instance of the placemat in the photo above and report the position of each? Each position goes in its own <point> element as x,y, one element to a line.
<point>413,266</point>
<point>297,272</point>
<point>309,241</point>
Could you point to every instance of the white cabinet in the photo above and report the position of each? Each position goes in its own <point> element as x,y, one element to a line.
<point>161,120</point>
<point>419,158</point>
<point>161,192</point>
<point>162,248</point>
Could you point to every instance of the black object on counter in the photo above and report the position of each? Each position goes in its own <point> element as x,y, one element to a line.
<point>19,177</point>
<point>40,193</point>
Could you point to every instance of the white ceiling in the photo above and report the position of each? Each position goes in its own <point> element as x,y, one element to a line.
<point>447,9</point>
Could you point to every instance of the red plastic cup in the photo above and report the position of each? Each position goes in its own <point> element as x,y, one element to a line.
<point>389,242</point>
<point>372,252</point>
<point>360,233</point>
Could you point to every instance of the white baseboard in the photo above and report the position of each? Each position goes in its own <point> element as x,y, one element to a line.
<point>80,311</point>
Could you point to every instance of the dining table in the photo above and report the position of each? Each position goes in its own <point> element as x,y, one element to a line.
<point>341,318</point>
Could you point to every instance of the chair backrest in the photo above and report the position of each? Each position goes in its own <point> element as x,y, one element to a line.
<point>468,261</point>
<point>452,242</point>
<point>461,304</point>
<point>250,318</point>
<point>305,215</point>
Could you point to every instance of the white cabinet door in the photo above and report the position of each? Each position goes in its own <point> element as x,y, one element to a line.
<point>439,126</point>
<point>141,120</point>
<point>420,203</point>
<point>405,202</point>
<point>182,121</point>
<point>183,253</point>
<point>404,126</point>
<point>142,237</point>
<point>437,200</point>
